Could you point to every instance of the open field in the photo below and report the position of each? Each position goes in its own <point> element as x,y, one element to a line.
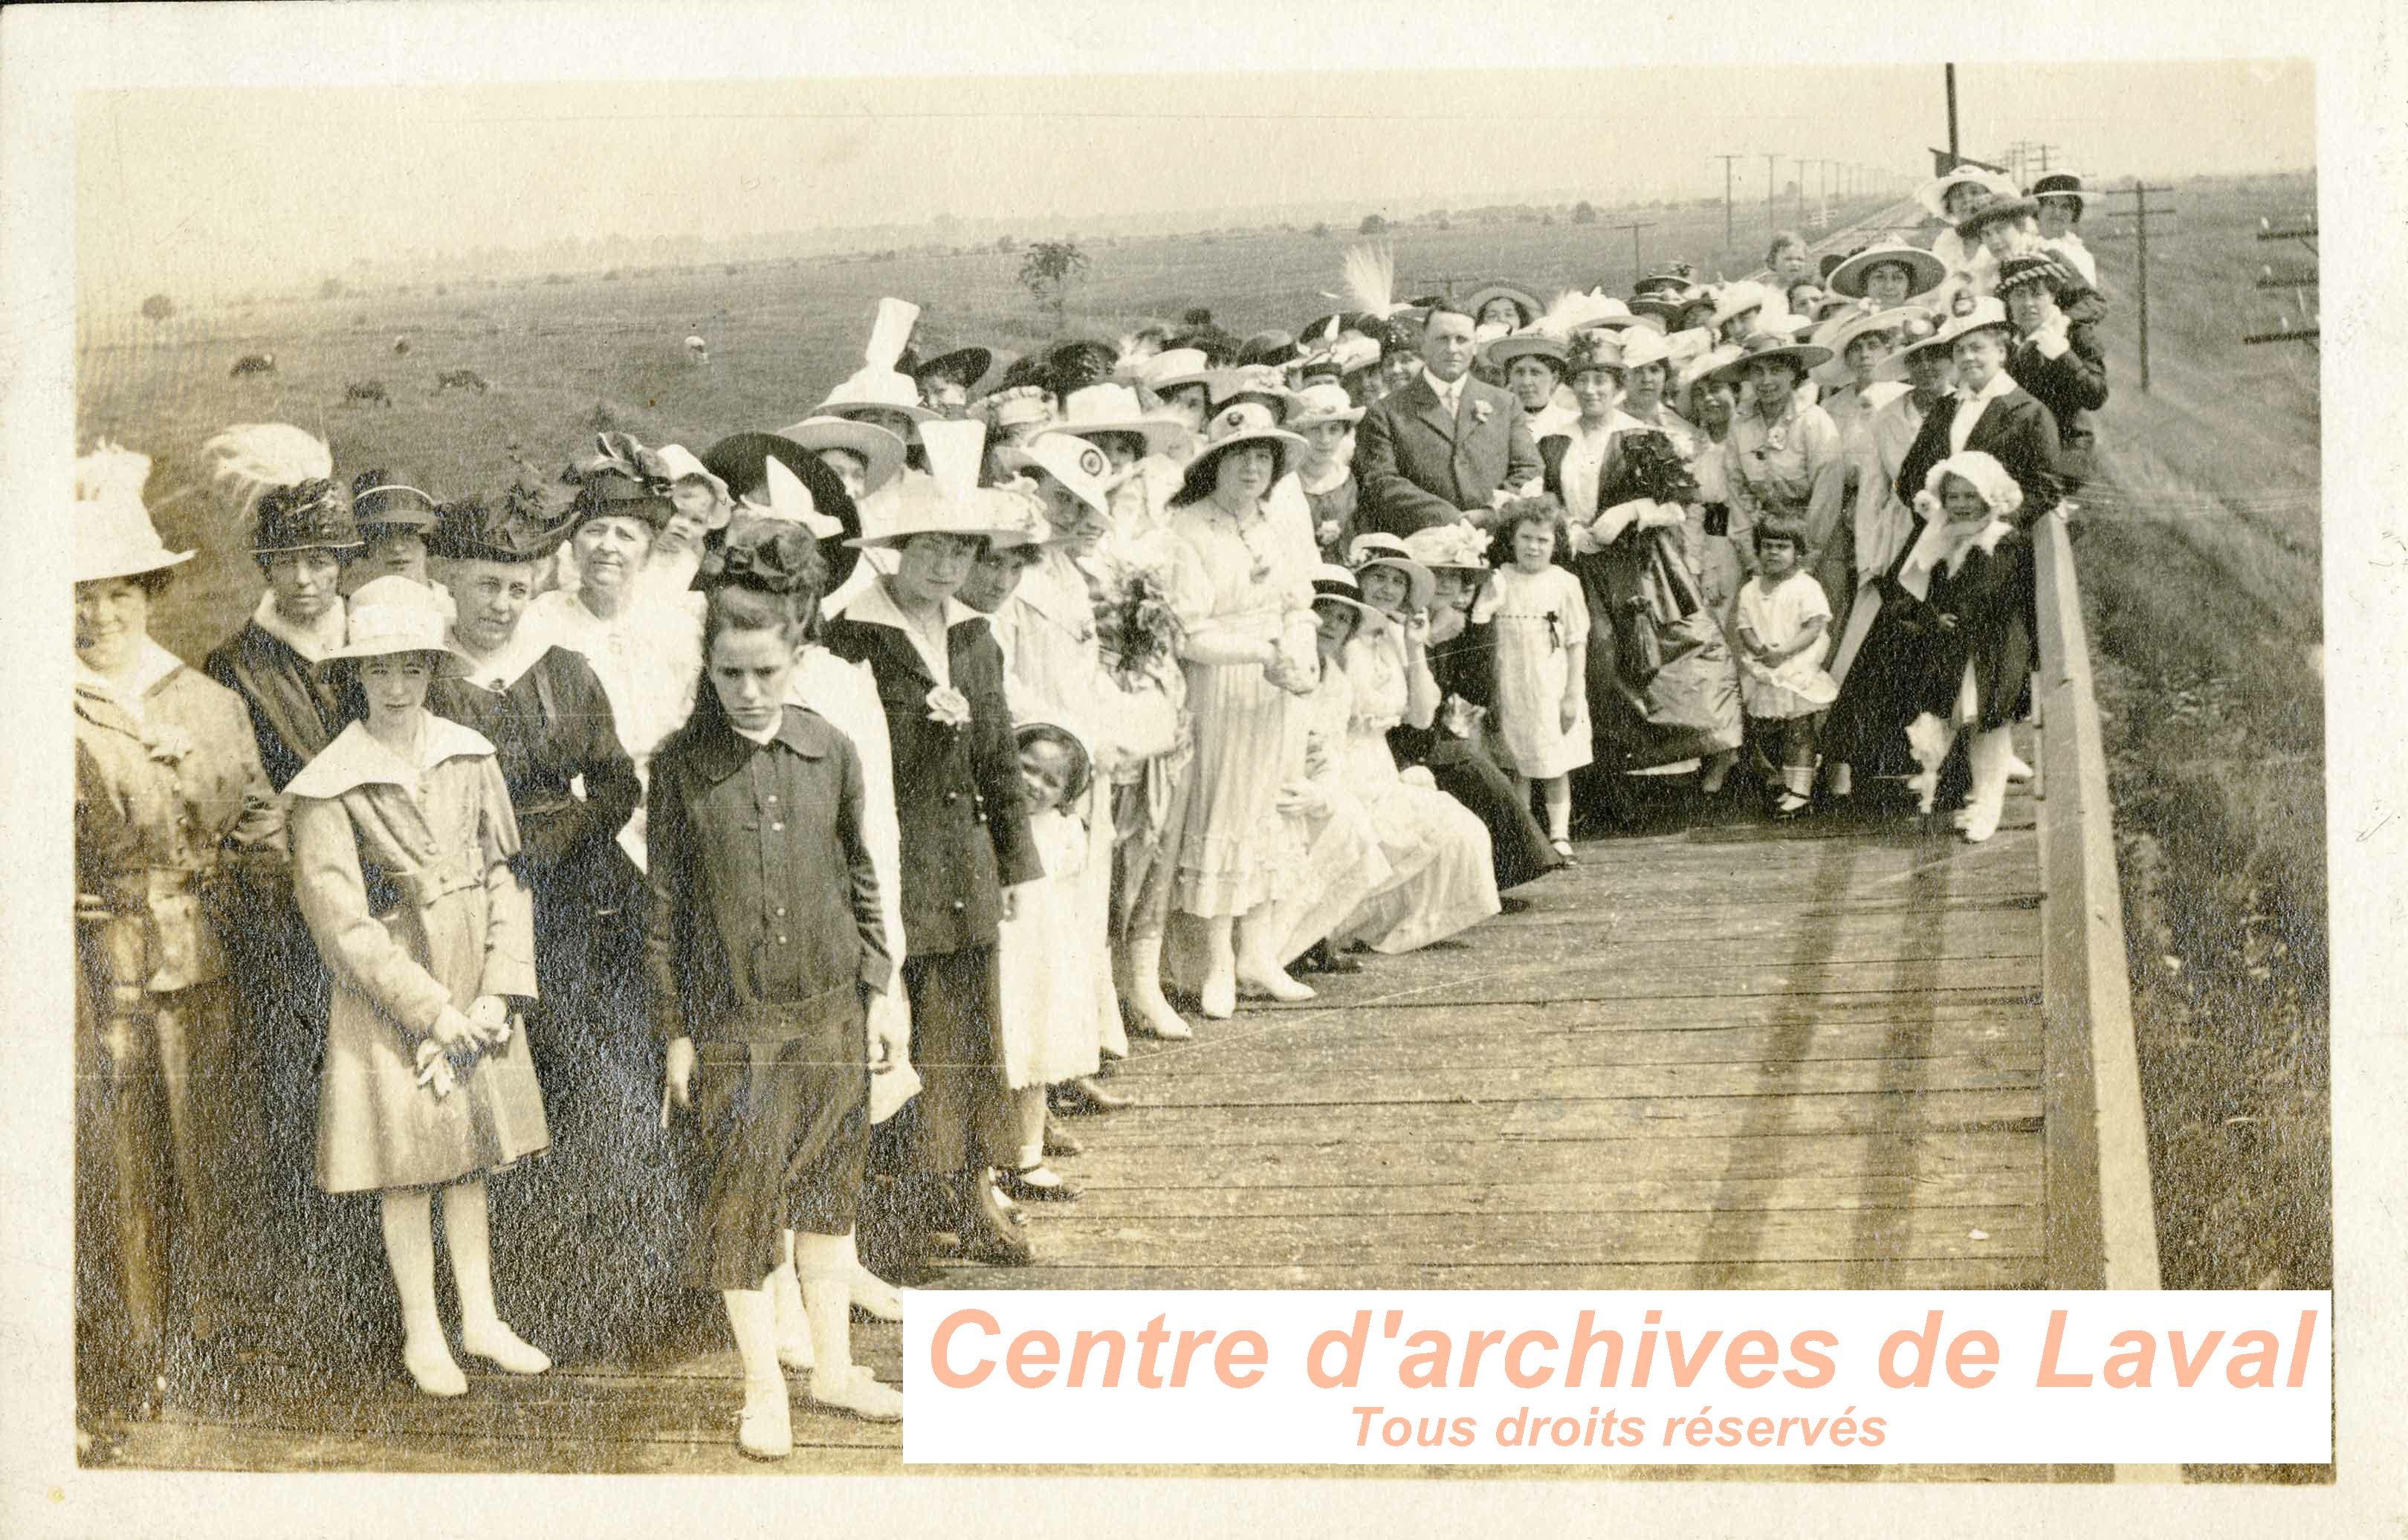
<point>2199,559</point>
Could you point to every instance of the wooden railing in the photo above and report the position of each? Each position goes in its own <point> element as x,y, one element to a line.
<point>2100,1219</point>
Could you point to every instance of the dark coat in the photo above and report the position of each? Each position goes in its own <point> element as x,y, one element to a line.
<point>957,790</point>
<point>2071,386</point>
<point>1419,469</point>
<point>2015,429</point>
<point>296,710</point>
<point>763,915</point>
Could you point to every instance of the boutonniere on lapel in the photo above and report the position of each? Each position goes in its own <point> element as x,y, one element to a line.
<point>1481,410</point>
<point>1776,437</point>
<point>948,707</point>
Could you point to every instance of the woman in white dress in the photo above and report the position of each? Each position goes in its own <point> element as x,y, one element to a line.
<point>1442,879</point>
<point>1245,603</point>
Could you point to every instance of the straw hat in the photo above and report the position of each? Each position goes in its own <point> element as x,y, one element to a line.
<point>1802,356</point>
<point>1115,408</point>
<point>1643,345</point>
<point>1333,581</point>
<point>1449,547</point>
<point>1175,367</point>
<point>1522,301</point>
<point>1684,348</point>
<point>879,450</point>
<point>1243,422</point>
<point>1370,550</point>
<point>1350,352</point>
<point>1614,314</point>
<point>2061,184</point>
<point>1737,298</point>
<point>1322,403</point>
<point>1249,383</point>
<point>114,537</point>
<point>1932,196</point>
<point>1715,363</point>
<point>1919,333</point>
<point>1525,344</point>
<point>1072,461</point>
<point>1987,314</point>
<point>1924,270</point>
<point>394,614</point>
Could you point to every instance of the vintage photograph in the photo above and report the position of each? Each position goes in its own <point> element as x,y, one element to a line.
<point>697,705</point>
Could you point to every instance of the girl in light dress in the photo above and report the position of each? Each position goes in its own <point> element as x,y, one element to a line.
<point>403,840</point>
<point>1541,629</point>
<point>1783,634</point>
<point>1045,957</point>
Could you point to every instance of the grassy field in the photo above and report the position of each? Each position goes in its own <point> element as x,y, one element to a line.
<point>2198,559</point>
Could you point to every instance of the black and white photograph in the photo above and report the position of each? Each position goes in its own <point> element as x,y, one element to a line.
<point>706,708</point>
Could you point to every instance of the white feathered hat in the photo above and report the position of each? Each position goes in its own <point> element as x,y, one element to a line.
<point>878,383</point>
<point>114,537</point>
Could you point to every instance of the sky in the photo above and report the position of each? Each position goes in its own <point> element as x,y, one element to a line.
<point>276,183</point>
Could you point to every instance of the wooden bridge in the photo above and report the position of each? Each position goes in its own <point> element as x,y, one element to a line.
<point>1852,1052</point>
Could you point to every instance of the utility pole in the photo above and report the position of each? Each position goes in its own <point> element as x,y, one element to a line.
<point>2139,214</point>
<point>1952,116</point>
<point>1727,238</point>
<point>1636,272</point>
<point>1771,190</point>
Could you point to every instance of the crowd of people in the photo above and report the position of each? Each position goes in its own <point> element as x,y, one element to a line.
<point>764,855</point>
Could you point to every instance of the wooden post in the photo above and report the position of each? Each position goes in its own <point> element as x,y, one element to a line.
<point>2140,264</point>
<point>1637,271</point>
<point>1952,151</point>
<point>1727,238</point>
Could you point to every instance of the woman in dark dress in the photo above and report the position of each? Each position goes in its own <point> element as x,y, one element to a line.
<point>609,1186</point>
<point>1462,658</point>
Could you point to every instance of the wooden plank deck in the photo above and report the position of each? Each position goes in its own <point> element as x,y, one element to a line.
<point>1731,1055</point>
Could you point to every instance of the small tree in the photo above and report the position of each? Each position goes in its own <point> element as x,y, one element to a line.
<point>1321,229</point>
<point>1584,213</point>
<point>1372,225</point>
<point>1006,244</point>
<point>1048,271</point>
<point>158,307</point>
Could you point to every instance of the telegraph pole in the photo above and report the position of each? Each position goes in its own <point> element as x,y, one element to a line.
<point>1771,190</point>
<point>1952,116</point>
<point>2139,214</point>
<point>1727,238</point>
<point>1636,272</point>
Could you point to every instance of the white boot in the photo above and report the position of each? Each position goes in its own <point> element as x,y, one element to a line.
<point>1155,1014</point>
<point>1219,994</point>
<point>1260,973</point>
<point>793,1326</point>
<point>1988,753</point>
<point>1927,738</point>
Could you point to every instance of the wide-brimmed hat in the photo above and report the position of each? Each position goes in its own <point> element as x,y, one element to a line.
<point>385,497</point>
<point>1802,356</point>
<point>880,383</point>
<point>1643,345</point>
<point>1924,271</point>
<point>1321,403</point>
<point>2060,185</point>
<point>1739,296</point>
<point>1238,424</point>
<point>281,480</point>
<point>1919,333</point>
<point>1450,547</point>
<point>1678,275</point>
<point>1370,550</point>
<point>1272,346</point>
<point>1261,382</point>
<point>518,529</point>
<point>114,537</point>
<point>1987,313</point>
<point>1351,353</point>
<point>1072,461</point>
<point>1667,305</point>
<point>1713,364</point>
<point>312,516</point>
<point>1683,348</point>
<point>1111,408</point>
<point>1932,196</point>
<point>1991,210</point>
<point>1333,581</point>
<point>947,500</point>
<point>1599,349</point>
<point>1523,300</point>
<point>396,615</point>
<point>1607,311</point>
<point>1853,327</point>
<point>1176,366</point>
<point>881,452</point>
<point>1504,350</point>
<point>1017,406</point>
<point>966,366</point>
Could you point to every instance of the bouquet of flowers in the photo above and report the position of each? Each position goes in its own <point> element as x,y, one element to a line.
<point>1135,625</point>
<point>1650,469</point>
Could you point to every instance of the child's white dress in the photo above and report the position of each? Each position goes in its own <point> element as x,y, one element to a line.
<point>1046,967</point>
<point>1537,618</point>
<point>1776,616</point>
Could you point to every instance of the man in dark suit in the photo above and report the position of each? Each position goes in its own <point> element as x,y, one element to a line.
<point>1441,448</point>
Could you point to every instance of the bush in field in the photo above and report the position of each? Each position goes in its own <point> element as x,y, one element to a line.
<point>331,289</point>
<point>733,270</point>
<point>1584,213</point>
<point>158,307</point>
<point>1321,230</point>
<point>1372,225</point>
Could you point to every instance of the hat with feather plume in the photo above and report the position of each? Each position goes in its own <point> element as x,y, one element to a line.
<point>279,481</point>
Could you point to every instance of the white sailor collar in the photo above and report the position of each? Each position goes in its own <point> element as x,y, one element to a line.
<point>356,758</point>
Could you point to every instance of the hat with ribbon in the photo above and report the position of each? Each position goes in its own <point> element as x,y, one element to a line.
<point>523,527</point>
<point>1644,345</point>
<point>947,500</point>
<point>114,537</point>
<point>2036,268</point>
<point>1531,343</point>
<point>1078,465</point>
<point>1249,383</point>
<point>1273,347</point>
<point>607,491</point>
<point>396,615</point>
<point>1802,356</point>
<point>1233,427</point>
<point>1932,196</point>
<point>880,451</point>
<point>1991,210</point>
<point>1111,408</point>
<point>1593,350</point>
<point>1988,315</point>
<point>1350,352</point>
<point>879,384</point>
<point>2060,185</point>
<point>1919,333</point>
<point>1739,298</point>
<point>1337,584</point>
<point>1018,406</point>
<point>1924,271</point>
<point>280,481</point>
<point>1450,547</point>
<point>383,498</point>
<point>774,556</point>
<point>1175,367</point>
<point>965,366</point>
<point>1390,550</point>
